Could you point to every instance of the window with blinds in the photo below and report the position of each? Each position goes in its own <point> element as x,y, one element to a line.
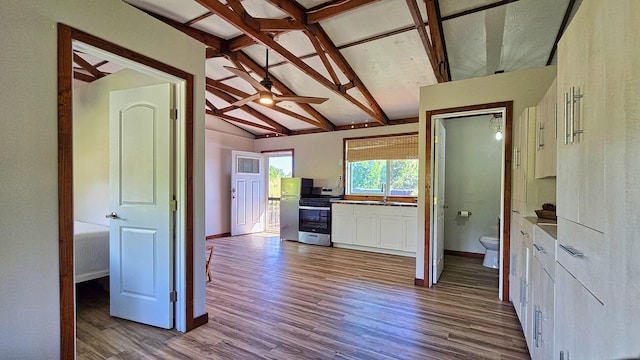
<point>381,166</point>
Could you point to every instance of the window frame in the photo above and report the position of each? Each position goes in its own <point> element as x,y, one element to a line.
<point>346,173</point>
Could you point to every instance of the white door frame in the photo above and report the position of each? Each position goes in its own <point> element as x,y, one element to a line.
<point>430,235</point>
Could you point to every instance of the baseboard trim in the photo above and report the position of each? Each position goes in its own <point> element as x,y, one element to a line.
<point>209,237</point>
<point>420,282</point>
<point>200,320</point>
<point>464,254</point>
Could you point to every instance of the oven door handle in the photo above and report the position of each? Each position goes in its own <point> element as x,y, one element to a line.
<point>313,208</point>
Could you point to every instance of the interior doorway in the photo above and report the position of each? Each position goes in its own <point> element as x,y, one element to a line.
<point>467,186</point>
<point>68,40</point>
<point>279,164</point>
<point>432,251</point>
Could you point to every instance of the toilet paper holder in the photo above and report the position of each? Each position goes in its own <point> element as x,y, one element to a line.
<point>464,213</point>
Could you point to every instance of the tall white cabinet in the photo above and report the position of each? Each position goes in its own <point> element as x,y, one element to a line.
<point>598,177</point>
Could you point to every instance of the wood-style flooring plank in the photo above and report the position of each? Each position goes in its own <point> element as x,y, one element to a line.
<point>284,300</point>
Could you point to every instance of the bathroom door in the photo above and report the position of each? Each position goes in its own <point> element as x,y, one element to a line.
<point>439,204</point>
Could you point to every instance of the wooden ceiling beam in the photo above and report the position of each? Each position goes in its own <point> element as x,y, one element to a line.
<point>218,44</point>
<point>83,77</point>
<point>424,37</point>
<point>285,90</point>
<point>87,66</point>
<point>247,109</point>
<point>287,24</point>
<point>290,8</point>
<point>240,121</point>
<point>334,8</point>
<point>477,9</point>
<point>323,57</point>
<point>238,21</point>
<point>240,42</point>
<point>241,94</point>
<point>437,39</point>
<point>563,26</point>
<point>374,110</point>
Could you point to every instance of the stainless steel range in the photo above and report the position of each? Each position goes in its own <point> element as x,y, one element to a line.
<point>315,220</point>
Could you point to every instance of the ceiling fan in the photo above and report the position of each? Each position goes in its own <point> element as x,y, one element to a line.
<point>264,95</point>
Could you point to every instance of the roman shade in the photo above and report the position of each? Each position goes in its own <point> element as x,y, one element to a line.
<point>395,147</point>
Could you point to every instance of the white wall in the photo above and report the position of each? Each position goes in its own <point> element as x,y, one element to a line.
<point>320,156</point>
<point>220,139</point>
<point>473,167</point>
<point>525,88</point>
<point>30,306</point>
<point>91,142</point>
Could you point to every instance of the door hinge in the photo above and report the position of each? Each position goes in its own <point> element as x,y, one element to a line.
<point>173,296</point>
<point>435,139</point>
<point>173,205</point>
<point>174,114</point>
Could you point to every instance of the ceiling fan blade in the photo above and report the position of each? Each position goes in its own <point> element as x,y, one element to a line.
<point>300,99</point>
<point>248,78</point>
<point>246,100</point>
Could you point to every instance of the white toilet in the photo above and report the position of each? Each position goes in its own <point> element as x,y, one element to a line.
<point>492,244</point>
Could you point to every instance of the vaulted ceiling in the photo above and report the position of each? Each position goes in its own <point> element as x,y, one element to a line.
<point>369,58</point>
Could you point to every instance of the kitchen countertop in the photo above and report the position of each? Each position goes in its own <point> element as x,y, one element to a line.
<point>547,225</point>
<point>374,203</point>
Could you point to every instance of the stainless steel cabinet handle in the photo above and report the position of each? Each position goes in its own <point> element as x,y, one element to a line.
<point>540,248</point>
<point>538,330</point>
<point>535,325</point>
<point>573,99</point>
<point>113,215</point>
<point>571,250</point>
<point>566,118</point>
<point>314,208</point>
<point>524,233</point>
<point>555,120</point>
<point>540,136</point>
<point>515,211</point>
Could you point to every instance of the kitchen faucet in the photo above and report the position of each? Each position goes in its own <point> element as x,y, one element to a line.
<point>384,192</point>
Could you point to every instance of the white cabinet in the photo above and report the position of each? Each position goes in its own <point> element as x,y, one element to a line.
<point>580,321</point>
<point>521,233</point>
<point>379,228</point>
<point>581,93</point>
<point>542,294</point>
<point>343,223</point>
<point>545,128</point>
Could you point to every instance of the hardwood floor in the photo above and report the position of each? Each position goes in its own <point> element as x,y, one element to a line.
<point>283,300</point>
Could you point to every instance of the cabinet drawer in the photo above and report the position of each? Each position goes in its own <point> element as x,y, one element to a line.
<point>585,254</point>
<point>526,231</point>
<point>342,209</point>
<point>544,249</point>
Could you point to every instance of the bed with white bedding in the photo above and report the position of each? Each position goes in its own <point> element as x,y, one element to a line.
<point>91,251</point>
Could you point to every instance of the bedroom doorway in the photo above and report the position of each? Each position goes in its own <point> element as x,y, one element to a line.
<point>71,41</point>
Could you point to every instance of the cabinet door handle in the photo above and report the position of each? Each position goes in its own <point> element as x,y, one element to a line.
<point>562,355</point>
<point>571,250</point>
<point>539,248</point>
<point>540,136</point>
<point>555,120</point>
<point>573,98</point>
<point>538,330</point>
<point>535,325</point>
<point>566,118</point>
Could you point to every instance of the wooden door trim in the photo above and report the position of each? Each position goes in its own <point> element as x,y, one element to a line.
<point>66,35</point>
<point>504,271</point>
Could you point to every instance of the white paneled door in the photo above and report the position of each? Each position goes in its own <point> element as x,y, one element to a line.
<point>248,197</point>
<point>141,214</point>
<point>439,202</point>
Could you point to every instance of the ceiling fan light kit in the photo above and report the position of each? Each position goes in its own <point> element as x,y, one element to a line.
<point>266,98</point>
<point>264,94</point>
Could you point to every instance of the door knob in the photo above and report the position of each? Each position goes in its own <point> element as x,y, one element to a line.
<point>113,215</point>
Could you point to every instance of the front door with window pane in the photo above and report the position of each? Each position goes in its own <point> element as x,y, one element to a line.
<point>247,193</point>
